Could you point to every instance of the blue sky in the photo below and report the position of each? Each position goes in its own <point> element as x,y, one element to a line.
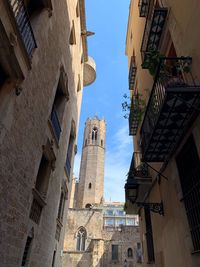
<point>108,19</point>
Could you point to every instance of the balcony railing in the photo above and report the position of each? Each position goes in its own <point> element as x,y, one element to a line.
<point>172,106</point>
<point>152,32</point>
<point>143,7</point>
<point>68,166</point>
<point>132,73</point>
<point>140,170</point>
<point>55,124</point>
<point>134,115</point>
<point>21,16</point>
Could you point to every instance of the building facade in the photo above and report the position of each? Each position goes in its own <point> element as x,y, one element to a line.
<point>164,82</point>
<point>98,234</point>
<point>44,65</point>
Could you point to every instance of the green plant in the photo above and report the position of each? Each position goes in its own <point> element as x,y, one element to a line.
<point>126,105</point>
<point>151,61</point>
<point>137,108</point>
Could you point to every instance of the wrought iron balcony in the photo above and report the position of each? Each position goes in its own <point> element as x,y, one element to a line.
<point>132,73</point>
<point>139,170</point>
<point>55,124</point>
<point>134,116</point>
<point>24,28</point>
<point>173,105</point>
<point>153,32</point>
<point>143,7</point>
<point>138,183</point>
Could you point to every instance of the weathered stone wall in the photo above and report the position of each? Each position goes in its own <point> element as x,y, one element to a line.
<point>24,129</point>
<point>98,251</point>
<point>125,237</point>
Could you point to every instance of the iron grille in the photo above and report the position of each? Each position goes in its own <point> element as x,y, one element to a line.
<point>171,108</point>
<point>21,16</point>
<point>132,73</point>
<point>141,169</point>
<point>188,164</point>
<point>135,115</point>
<point>36,210</point>
<point>143,7</point>
<point>152,33</point>
<point>55,123</point>
<point>149,236</point>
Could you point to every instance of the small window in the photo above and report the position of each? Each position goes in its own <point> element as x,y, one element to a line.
<point>119,212</point>
<point>26,253</point>
<point>58,108</point>
<point>139,253</point>
<point>109,222</point>
<point>72,38</point>
<point>88,206</point>
<point>43,176</point>
<point>119,222</point>
<point>130,253</point>
<point>81,239</point>
<point>90,186</point>
<point>79,84</point>
<point>101,142</point>
<point>47,164</point>
<point>109,212</point>
<point>85,142</point>
<point>54,257</point>
<point>77,9</point>
<point>3,76</point>
<point>130,221</point>
<point>61,206</point>
<point>70,150</point>
<point>114,252</point>
<point>94,134</point>
<point>33,6</point>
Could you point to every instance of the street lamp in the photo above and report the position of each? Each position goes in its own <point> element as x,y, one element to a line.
<point>131,189</point>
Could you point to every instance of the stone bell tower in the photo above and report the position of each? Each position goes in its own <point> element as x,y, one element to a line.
<point>91,176</point>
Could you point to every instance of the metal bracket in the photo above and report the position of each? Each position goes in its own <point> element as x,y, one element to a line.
<point>154,207</point>
<point>158,172</point>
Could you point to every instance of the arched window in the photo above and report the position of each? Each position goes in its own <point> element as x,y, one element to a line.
<point>101,142</point>
<point>85,142</point>
<point>130,253</point>
<point>94,134</point>
<point>90,186</point>
<point>81,238</point>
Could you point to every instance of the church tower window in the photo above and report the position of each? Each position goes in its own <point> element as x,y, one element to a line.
<point>81,238</point>
<point>90,186</point>
<point>94,134</point>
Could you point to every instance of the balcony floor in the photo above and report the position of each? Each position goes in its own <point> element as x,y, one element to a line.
<point>180,108</point>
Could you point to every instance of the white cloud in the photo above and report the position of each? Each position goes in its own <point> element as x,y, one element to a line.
<point>117,165</point>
